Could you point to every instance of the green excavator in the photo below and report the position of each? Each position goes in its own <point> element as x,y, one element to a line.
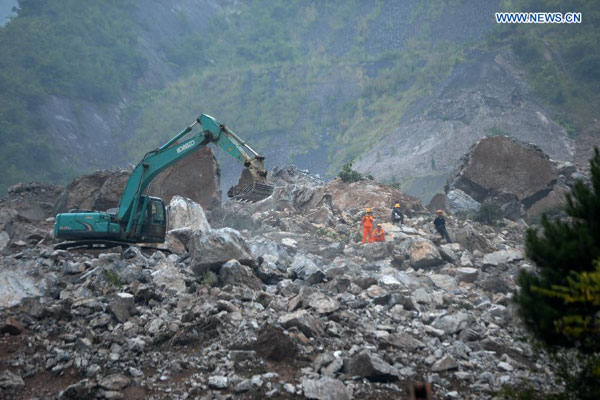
<point>141,218</point>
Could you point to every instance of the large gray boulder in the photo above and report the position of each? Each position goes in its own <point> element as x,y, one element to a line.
<point>502,257</point>
<point>501,164</point>
<point>371,366</point>
<point>459,201</point>
<point>304,268</point>
<point>185,213</point>
<point>325,388</point>
<point>508,172</point>
<point>212,249</point>
<point>451,323</point>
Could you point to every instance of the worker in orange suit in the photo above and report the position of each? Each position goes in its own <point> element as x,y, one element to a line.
<point>367,221</point>
<point>379,234</point>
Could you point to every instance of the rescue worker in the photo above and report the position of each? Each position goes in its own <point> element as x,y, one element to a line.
<point>379,234</point>
<point>397,216</point>
<point>440,225</point>
<point>367,221</point>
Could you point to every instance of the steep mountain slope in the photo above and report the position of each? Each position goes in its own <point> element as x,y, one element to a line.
<point>89,85</point>
<point>483,97</point>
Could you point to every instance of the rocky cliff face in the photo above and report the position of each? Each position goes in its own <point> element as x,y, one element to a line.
<point>482,98</point>
<point>295,307</point>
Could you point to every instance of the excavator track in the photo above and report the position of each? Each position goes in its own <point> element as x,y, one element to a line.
<point>101,245</point>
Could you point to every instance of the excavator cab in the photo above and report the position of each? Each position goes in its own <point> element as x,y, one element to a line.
<point>153,224</point>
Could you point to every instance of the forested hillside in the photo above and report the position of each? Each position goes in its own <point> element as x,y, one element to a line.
<point>81,50</point>
<point>315,83</point>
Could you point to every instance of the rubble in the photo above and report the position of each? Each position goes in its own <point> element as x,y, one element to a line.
<point>291,308</point>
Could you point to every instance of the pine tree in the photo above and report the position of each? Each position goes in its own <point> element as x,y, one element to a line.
<point>564,247</point>
<point>560,302</point>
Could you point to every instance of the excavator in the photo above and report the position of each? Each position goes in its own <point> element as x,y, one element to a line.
<point>141,218</point>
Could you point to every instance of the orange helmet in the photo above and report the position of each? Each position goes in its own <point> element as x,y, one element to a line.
<point>368,209</point>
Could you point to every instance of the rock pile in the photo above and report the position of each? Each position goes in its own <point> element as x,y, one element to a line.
<point>292,309</point>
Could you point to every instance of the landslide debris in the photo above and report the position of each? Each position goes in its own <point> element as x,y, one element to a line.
<point>293,307</point>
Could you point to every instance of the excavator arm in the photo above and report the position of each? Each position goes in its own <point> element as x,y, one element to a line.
<point>253,185</point>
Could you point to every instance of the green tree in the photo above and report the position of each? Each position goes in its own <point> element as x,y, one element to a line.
<point>488,213</point>
<point>559,303</point>
<point>347,174</point>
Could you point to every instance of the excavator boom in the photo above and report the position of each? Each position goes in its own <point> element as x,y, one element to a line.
<point>140,218</point>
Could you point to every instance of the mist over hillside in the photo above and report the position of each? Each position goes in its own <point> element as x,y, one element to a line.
<point>402,86</point>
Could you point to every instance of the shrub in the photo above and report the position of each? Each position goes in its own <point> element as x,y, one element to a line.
<point>209,279</point>
<point>489,213</point>
<point>347,174</point>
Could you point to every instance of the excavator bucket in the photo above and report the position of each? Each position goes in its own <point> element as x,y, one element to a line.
<point>250,189</point>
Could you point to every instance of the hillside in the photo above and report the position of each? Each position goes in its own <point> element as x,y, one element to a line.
<point>316,84</point>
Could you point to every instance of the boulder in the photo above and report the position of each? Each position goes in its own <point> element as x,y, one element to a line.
<point>196,177</point>
<point>403,341</point>
<point>371,366</point>
<point>10,380</point>
<point>273,344</point>
<point>185,213</point>
<point>466,274</point>
<point>502,257</point>
<point>122,306</point>
<point>302,320</point>
<point>167,275</point>
<point>11,326</point>
<point>100,190</point>
<point>304,268</point>
<point>508,172</point>
<point>470,238</point>
<point>445,282</point>
<point>212,249</point>
<point>235,274</point>
<point>424,254</point>
<point>114,382</point>
<point>321,303</point>
<point>4,240</point>
<point>460,202</point>
<point>451,323</point>
<point>444,364</point>
<point>501,164</point>
<point>554,201</point>
<point>325,388</point>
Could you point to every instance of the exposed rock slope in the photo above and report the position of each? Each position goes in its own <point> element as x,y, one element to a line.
<point>481,98</point>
